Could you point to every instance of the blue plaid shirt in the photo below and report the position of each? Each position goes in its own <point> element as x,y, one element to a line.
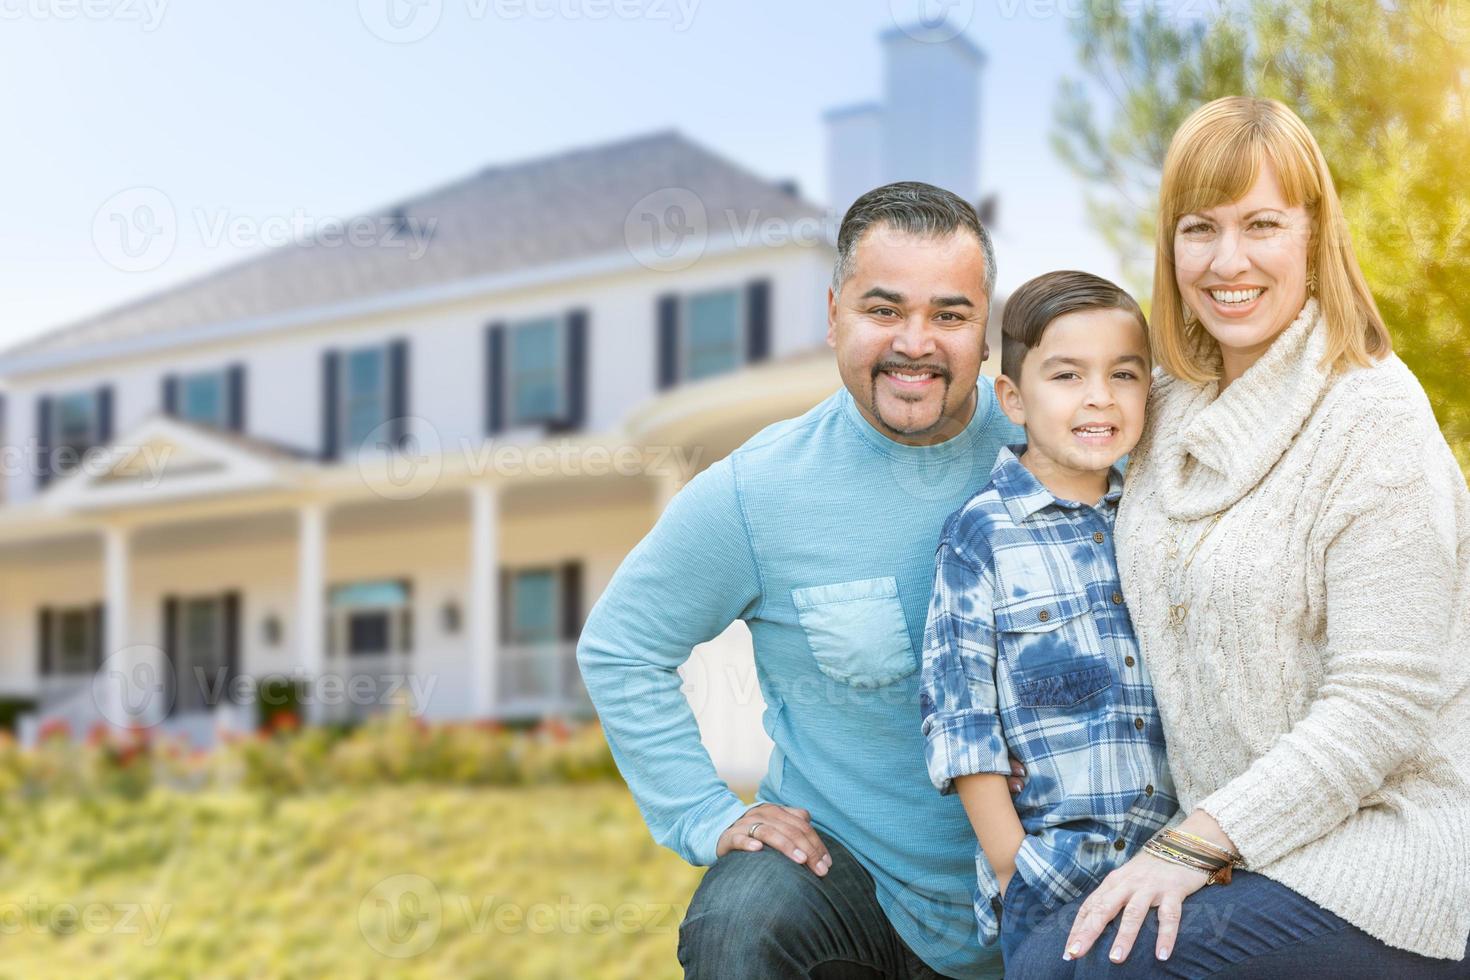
<point>1028,650</point>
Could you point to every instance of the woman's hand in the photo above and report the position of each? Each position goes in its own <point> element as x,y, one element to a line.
<point>1133,889</point>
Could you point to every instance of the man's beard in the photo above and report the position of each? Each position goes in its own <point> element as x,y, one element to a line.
<point>941,372</point>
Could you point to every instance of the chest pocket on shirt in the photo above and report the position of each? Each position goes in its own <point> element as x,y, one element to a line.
<point>857,631</point>
<point>1049,643</point>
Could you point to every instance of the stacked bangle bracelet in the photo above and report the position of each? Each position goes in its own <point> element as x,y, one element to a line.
<point>1179,847</point>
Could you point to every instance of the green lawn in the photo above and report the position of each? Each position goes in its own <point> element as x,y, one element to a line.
<point>397,880</point>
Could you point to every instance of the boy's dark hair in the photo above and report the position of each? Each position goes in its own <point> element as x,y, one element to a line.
<point>1033,307</point>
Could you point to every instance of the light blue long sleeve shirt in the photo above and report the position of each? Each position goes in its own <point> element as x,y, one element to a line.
<point>819,533</point>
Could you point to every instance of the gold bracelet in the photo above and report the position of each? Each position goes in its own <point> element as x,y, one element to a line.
<point>1209,859</point>
<point>1178,846</point>
<point>1176,857</point>
<point>1227,855</point>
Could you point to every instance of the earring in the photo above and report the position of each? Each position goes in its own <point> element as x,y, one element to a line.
<point>1312,283</point>
<point>1189,318</point>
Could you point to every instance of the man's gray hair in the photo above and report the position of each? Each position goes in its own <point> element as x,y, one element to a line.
<point>914,208</point>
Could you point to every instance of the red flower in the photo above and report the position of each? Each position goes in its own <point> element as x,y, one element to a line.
<point>284,721</point>
<point>54,728</point>
<point>557,729</point>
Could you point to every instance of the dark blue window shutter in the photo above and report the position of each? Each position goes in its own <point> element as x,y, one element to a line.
<point>668,341</point>
<point>571,600</point>
<point>44,620</point>
<point>504,598</point>
<point>231,624</point>
<point>329,405</point>
<point>398,392</point>
<point>170,394</point>
<point>235,393</point>
<point>104,415</point>
<point>575,416</point>
<point>758,320</point>
<point>170,653</point>
<point>43,440</point>
<point>99,634</point>
<point>495,378</point>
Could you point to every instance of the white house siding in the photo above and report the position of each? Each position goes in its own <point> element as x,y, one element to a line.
<point>447,353</point>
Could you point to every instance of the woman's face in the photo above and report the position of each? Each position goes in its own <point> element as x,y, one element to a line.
<point>1242,267</point>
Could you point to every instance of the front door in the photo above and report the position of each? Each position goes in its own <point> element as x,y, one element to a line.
<point>201,660</point>
<point>201,634</point>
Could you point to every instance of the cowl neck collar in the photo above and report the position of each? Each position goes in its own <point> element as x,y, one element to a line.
<point>1223,443</point>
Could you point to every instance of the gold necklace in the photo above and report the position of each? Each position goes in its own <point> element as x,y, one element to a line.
<point>1178,609</point>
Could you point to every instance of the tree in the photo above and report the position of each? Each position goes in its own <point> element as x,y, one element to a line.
<point>1384,85</point>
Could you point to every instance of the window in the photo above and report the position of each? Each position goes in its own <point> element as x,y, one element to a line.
<point>202,398</point>
<point>536,377</point>
<point>76,425</point>
<point>533,607</point>
<point>712,336</point>
<point>74,642</point>
<point>364,394</point>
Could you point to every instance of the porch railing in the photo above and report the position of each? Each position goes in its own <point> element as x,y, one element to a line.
<point>365,685</point>
<point>540,679</point>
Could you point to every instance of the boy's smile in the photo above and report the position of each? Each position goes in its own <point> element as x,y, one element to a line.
<point>1081,396</point>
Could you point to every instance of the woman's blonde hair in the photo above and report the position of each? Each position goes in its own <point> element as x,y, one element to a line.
<point>1215,158</point>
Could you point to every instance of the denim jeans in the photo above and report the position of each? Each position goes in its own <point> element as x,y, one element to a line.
<point>760,915</point>
<point>1021,911</point>
<point>1252,927</point>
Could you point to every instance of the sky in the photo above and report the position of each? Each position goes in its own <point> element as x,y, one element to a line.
<point>259,116</point>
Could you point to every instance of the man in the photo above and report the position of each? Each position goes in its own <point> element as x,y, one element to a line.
<point>820,534</point>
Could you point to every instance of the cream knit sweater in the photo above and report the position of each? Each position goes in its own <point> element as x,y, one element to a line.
<point>1313,687</point>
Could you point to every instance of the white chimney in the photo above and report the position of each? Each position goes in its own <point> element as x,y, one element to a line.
<point>854,152</point>
<point>926,128</point>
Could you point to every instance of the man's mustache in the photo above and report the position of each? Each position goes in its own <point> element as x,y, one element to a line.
<point>909,367</point>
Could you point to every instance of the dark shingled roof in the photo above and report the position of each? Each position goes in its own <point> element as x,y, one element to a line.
<point>567,206</point>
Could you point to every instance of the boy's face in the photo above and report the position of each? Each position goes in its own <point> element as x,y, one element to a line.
<point>1082,391</point>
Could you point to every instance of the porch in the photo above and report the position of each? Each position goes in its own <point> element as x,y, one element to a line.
<point>332,595</point>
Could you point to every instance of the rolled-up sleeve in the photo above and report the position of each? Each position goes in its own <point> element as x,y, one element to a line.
<point>957,695</point>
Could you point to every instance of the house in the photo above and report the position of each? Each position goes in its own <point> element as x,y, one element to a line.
<point>399,468</point>
<point>353,463</point>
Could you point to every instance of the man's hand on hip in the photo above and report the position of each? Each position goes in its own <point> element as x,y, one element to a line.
<point>786,828</point>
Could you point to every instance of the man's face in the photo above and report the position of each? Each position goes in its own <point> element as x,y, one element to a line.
<point>909,331</point>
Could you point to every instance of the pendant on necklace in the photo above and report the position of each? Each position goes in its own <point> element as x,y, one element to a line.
<point>1176,614</point>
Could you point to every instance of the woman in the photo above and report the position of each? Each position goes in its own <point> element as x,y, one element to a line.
<point>1294,542</point>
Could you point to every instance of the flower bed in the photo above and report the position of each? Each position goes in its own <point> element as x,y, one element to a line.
<point>391,748</point>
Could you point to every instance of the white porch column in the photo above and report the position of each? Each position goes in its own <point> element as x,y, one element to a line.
<point>115,590</point>
<point>667,485</point>
<point>484,596</point>
<point>311,603</point>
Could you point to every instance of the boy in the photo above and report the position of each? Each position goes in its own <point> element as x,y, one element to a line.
<point>1028,648</point>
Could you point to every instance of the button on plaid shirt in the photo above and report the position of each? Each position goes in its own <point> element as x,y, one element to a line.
<point>1029,651</point>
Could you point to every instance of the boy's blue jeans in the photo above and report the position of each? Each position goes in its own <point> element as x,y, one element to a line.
<point>1021,911</point>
